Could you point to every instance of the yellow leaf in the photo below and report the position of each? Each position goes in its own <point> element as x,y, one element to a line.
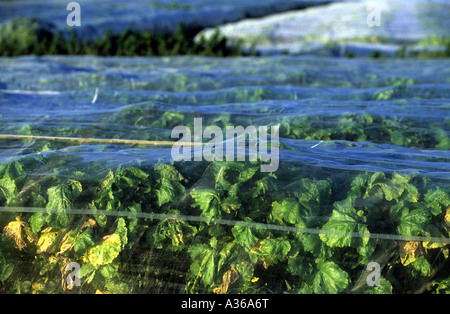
<point>447,216</point>
<point>111,239</point>
<point>53,259</point>
<point>46,240</point>
<point>67,242</point>
<point>104,252</point>
<point>15,230</point>
<point>255,279</point>
<point>107,180</point>
<point>178,238</point>
<point>37,287</point>
<point>410,251</point>
<point>228,278</point>
<point>432,245</point>
<point>89,223</point>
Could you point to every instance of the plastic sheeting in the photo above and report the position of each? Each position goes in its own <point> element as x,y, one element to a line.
<point>147,15</point>
<point>359,202</point>
<point>343,28</point>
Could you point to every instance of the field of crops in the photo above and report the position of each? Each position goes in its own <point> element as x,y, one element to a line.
<point>363,176</point>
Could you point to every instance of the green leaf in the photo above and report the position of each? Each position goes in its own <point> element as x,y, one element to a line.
<point>122,231</point>
<point>6,269</point>
<point>441,286</point>
<point>313,244</point>
<point>167,171</point>
<point>385,287</point>
<point>169,191</point>
<point>110,271</point>
<point>208,201</point>
<point>274,250</point>
<point>12,178</point>
<point>329,278</point>
<point>133,224</point>
<point>60,198</point>
<point>105,193</point>
<point>313,198</point>
<point>168,186</point>
<point>6,260</point>
<point>230,253</point>
<point>337,228</point>
<point>225,173</point>
<point>437,200</point>
<point>311,193</point>
<point>203,262</point>
<point>398,178</point>
<point>300,267</point>
<point>422,266</point>
<point>366,186</point>
<point>392,191</point>
<point>37,200</point>
<point>244,235</point>
<point>84,240</point>
<point>230,203</point>
<point>126,183</point>
<point>398,210</point>
<point>396,186</point>
<point>8,189</point>
<point>11,170</point>
<point>376,178</point>
<point>87,270</point>
<point>264,186</point>
<point>247,174</point>
<point>359,185</point>
<point>414,222</point>
<point>412,193</point>
<point>37,221</point>
<point>132,176</point>
<point>288,211</point>
<point>343,223</point>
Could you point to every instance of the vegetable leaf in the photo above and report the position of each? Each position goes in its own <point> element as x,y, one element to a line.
<point>208,201</point>
<point>104,252</point>
<point>343,223</point>
<point>60,198</point>
<point>203,262</point>
<point>244,236</point>
<point>414,222</point>
<point>329,278</point>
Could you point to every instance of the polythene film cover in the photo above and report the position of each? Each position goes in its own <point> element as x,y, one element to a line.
<point>354,197</point>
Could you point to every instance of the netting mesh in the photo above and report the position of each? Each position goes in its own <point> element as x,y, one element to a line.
<point>359,202</point>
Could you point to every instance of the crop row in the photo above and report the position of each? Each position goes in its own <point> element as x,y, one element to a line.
<point>220,227</point>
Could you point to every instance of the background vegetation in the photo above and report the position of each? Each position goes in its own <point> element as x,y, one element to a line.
<point>23,36</point>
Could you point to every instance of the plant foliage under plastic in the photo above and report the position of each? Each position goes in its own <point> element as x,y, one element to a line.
<point>220,227</point>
